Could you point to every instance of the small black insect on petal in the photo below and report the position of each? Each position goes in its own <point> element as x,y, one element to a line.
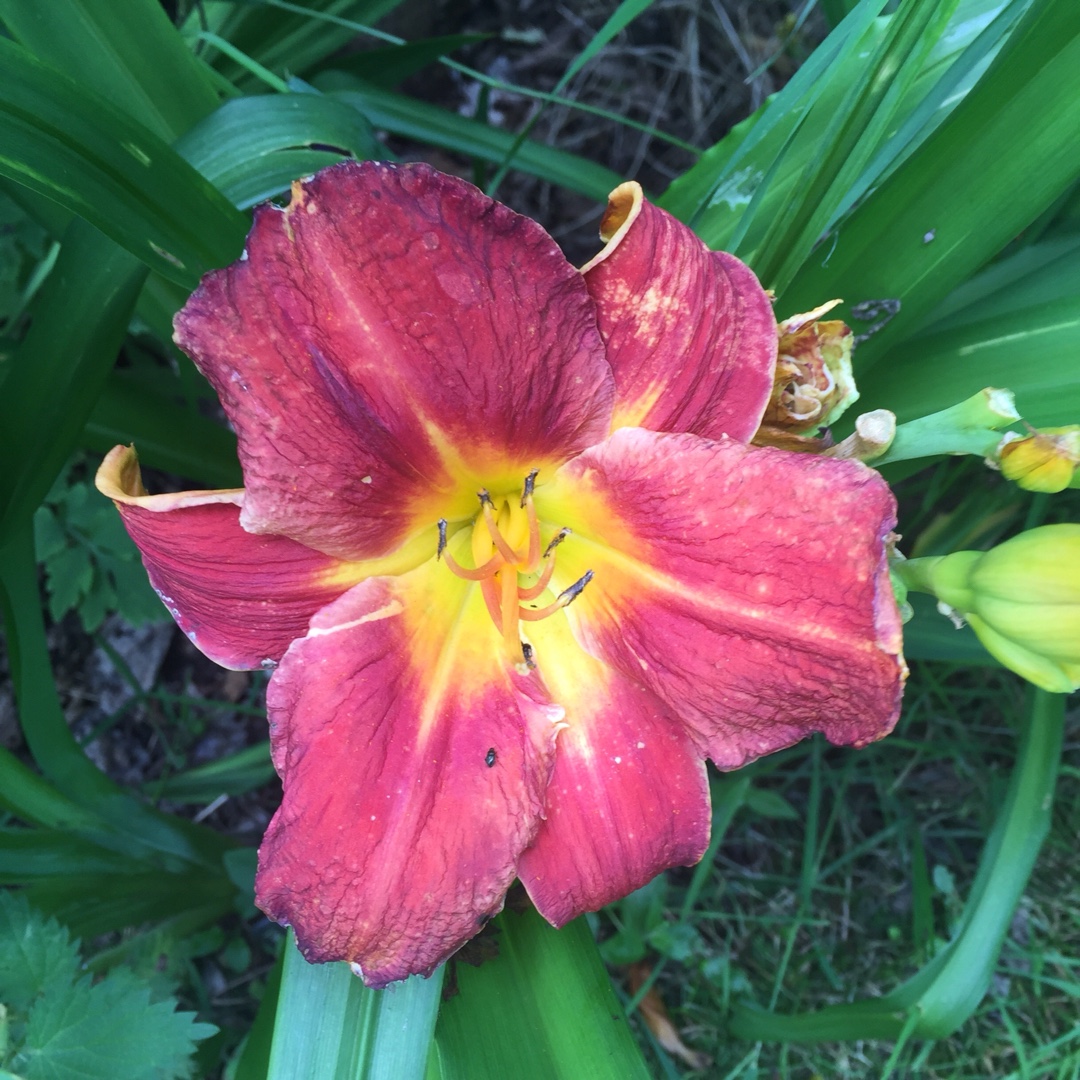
<point>489,758</point>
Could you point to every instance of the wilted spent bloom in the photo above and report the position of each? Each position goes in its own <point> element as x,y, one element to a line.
<point>812,383</point>
<point>1021,598</point>
<point>1046,460</point>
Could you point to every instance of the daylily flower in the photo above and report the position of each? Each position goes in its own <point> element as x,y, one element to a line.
<point>447,435</point>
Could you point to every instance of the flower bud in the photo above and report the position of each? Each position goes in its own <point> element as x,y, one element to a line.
<point>1046,460</point>
<point>1021,598</point>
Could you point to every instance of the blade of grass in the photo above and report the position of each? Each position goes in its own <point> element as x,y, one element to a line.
<point>431,124</point>
<point>618,21</point>
<point>944,994</point>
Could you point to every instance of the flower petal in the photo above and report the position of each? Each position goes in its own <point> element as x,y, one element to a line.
<point>241,599</point>
<point>414,762</point>
<point>628,797</point>
<point>388,344</point>
<point>690,333</point>
<point>747,588</point>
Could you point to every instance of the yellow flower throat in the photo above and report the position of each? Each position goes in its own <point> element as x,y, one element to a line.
<point>505,545</point>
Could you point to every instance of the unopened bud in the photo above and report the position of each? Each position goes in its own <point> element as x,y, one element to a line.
<point>1021,598</point>
<point>1046,460</point>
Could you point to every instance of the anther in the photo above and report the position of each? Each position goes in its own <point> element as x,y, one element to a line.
<point>503,548</point>
<point>556,540</point>
<point>564,599</point>
<point>530,483</point>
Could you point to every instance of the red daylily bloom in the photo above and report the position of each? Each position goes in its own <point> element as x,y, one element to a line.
<point>448,434</point>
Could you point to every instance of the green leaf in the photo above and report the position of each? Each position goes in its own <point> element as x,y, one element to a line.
<point>543,1008</point>
<point>770,804</point>
<point>729,182</point>
<point>254,147</point>
<point>233,775</point>
<point>34,952</point>
<point>129,53</point>
<point>63,141</point>
<point>108,1030</point>
<point>169,435</point>
<point>282,40</point>
<point>1004,155</point>
<point>390,66</point>
<point>79,319</point>
<point>49,538</point>
<point>848,143</point>
<point>26,854</point>
<point>70,574</point>
<point>1016,325</point>
<point>431,124</point>
<point>331,1026</point>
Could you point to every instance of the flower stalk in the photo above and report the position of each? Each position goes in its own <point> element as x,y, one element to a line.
<point>971,427</point>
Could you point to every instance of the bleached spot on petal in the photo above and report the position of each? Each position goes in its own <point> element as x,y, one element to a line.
<point>388,611</point>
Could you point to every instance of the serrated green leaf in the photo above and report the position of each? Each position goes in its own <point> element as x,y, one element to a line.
<point>70,574</point>
<point>135,598</point>
<point>99,600</point>
<point>34,952</point>
<point>49,538</point>
<point>64,142</point>
<point>108,1030</point>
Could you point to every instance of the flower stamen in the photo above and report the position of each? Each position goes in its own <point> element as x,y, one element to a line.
<point>564,599</point>
<point>488,509</point>
<point>498,570</point>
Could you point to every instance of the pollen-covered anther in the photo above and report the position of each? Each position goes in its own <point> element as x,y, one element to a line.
<point>564,599</point>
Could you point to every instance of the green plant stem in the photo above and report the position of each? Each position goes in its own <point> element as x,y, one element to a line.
<point>945,993</point>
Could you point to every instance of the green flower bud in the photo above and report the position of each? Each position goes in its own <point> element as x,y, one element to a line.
<point>1021,598</point>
